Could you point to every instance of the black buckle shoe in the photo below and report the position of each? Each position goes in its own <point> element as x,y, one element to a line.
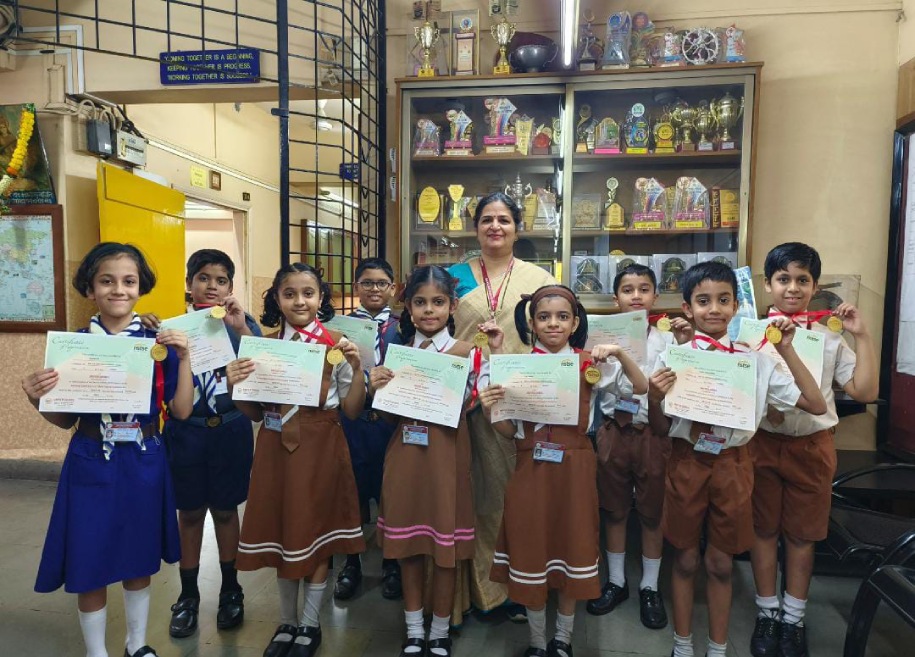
<point>184,618</point>
<point>611,595</point>
<point>231,610</point>
<point>413,643</point>
<point>391,586</point>
<point>766,636</point>
<point>142,652</point>
<point>793,642</point>
<point>651,609</point>
<point>557,648</point>
<point>281,648</point>
<point>347,582</point>
<point>534,652</point>
<point>441,644</point>
<point>306,649</point>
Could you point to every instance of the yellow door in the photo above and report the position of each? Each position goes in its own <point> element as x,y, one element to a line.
<point>151,217</point>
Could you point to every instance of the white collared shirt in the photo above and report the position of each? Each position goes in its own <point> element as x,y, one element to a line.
<point>839,362</point>
<point>442,342</point>
<point>341,377</point>
<point>657,345</point>
<point>773,388</point>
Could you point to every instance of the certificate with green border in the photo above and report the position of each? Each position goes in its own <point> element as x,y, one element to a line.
<point>539,388</point>
<point>285,371</point>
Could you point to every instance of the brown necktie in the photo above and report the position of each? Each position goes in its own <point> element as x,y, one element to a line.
<point>296,338</point>
<point>425,344</point>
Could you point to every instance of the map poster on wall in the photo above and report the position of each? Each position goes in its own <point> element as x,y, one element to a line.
<point>34,184</point>
<point>32,269</point>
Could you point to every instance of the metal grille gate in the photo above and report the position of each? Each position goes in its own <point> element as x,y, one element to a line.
<point>326,59</point>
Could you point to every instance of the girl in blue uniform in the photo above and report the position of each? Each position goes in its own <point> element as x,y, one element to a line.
<point>114,514</point>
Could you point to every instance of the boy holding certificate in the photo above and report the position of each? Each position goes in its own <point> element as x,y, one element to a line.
<point>710,474</point>
<point>794,455</point>
<point>369,434</point>
<point>210,453</point>
<point>631,456</point>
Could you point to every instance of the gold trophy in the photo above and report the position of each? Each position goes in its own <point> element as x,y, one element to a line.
<point>427,36</point>
<point>458,203</point>
<point>502,32</point>
<point>705,126</point>
<point>614,217</point>
<point>520,192</point>
<point>683,118</point>
<point>727,112</point>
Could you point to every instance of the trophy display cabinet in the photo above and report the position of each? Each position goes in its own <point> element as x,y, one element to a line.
<point>645,165</point>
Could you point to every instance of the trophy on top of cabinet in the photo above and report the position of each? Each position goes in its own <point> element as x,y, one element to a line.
<point>642,31</point>
<point>426,36</point>
<point>619,29</point>
<point>461,126</point>
<point>706,124</point>
<point>499,117</point>
<point>727,112</point>
<point>590,49</point>
<point>614,217</point>
<point>502,32</point>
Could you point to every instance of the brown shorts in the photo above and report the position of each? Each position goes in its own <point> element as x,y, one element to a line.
<point>793,489</point>
<point>713,489</point>
<point>628,458</point>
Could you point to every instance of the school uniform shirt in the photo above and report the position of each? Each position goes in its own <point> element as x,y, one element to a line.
<point>657,345</point>
<point>773,388</point>
<point>611,382</point>
<point>216,381</point>
<point>442,342</point>
<point>383,319</point>
<point>839,362</point>
<point>341,377</point>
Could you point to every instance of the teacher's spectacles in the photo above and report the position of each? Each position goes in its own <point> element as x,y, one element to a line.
<point>380,285</point>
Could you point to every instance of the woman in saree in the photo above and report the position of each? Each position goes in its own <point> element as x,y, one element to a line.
<point>489,286</point>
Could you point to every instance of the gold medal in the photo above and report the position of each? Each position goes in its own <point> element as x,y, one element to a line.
<point>335,356</point>
<point>480,340</point>
<point>592,375</point>
<point>158,352</point>
<point>217,312</point>
<point>773,334</point>
<point>834,324</point>
<point>664,324</point>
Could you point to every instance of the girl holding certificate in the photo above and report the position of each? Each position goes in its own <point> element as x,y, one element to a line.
<point>426,499</point>
<point>550,527</point>
<point>114,514</point>
<point>302,504</point>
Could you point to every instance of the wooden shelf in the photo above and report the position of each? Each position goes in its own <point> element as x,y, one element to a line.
<point>472,233</point>
<point>588,162</point>
<point>547,162</point>
<point>629,232</point>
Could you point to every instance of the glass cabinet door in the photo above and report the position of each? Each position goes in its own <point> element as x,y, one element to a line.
<point>659,175</point>
<point>460,143</point>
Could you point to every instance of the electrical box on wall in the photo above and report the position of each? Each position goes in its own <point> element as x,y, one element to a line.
<point>130,148</point>
<point>98,137</point>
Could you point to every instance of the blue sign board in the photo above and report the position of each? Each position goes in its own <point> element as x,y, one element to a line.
<point>349,171</point>
<point>210,66</point>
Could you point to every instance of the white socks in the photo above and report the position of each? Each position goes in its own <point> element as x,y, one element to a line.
<point>414,629</point>
<point>564,625</point>
<point>439,630</point>
<point>136,611</point>
<point>768,606</point>
<point>651,568</point>
<point>716,649</point>
<point>616,565</point>
<point>793,610</point>
<point>683,646</point>
<point>92,623</point>
<point>289,605</point>
<point>536,621</point>
<point>310,610</point>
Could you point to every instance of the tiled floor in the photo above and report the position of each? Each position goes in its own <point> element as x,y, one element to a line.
<point>46,625</point>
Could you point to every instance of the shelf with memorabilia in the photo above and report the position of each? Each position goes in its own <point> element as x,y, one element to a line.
<point>649,165</point>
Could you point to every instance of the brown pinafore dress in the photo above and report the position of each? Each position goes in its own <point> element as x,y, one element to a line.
<point>550,526</point>
<point>426,496</point>
<point>302,504</point>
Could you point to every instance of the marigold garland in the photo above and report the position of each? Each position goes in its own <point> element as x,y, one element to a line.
<point>14,168</point>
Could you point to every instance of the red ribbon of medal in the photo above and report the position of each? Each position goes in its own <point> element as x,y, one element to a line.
<point>493,301</point>
<point>321,336</point>
<point>808,316</point>
<point>477,366</point>
<point>652,319</point>
<point>713,342</point>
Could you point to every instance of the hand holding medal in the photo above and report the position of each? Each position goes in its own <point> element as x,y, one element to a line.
<point>345,350</point>
<point>177,340</point>
<point>780,332</point>
<point>600,354</point>
<point>493,336</point>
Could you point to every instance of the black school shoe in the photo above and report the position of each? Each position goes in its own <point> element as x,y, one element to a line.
<point>281,648</point>
<point>142,652</point>
<point>303,649</point>
<point>611,596</point>
<point>651,609</point>
<point>793,642</point>
<point>413,643</point>
<point>391,586</point>
<point>556,648</point>
<point>347,581</point>
<point>534,652</point>
<point>444,645</point>
<point>184,618</point>
<point>231,609</point>
<point>766,636</point>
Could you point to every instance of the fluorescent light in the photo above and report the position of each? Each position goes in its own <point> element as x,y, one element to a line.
<point>569,12</point>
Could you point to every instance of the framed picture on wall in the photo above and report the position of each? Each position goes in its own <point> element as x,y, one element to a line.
<point>32,269</point>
